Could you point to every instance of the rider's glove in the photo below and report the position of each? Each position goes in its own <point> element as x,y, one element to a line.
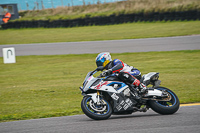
<point>106,73</point>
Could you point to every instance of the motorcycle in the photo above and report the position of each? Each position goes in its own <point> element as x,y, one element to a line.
<point>104,96</point>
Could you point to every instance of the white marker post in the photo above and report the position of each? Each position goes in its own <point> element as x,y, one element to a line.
<point>9,55</point>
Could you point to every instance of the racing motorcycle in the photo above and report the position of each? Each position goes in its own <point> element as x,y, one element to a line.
<point>104,96</point>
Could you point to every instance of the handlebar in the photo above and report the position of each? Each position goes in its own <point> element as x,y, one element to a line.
<point>100,76</point>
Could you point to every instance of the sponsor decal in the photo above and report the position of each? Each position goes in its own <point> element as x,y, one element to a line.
<point>105,63</point>
<point>101,84</point>
<point>119,107</point>
<point>114,96</point>
<point>129,102</point>
<point>90,78</point>
<point>124,104</point>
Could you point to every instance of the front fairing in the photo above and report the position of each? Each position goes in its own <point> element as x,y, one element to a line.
<point>88,83</point>
<point>100,84</point>
<point>90,80</point>
<point>87,76</point>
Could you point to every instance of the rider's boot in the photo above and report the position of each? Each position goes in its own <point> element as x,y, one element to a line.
<point>141,86</point>
<point>134,91</point>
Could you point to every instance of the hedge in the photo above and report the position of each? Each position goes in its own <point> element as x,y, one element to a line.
<point>106,20</point>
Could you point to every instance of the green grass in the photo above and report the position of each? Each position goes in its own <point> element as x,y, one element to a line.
<point>93,33</point>
<point>47,86</point>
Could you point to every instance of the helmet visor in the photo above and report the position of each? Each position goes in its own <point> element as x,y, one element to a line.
<point>99,63</point>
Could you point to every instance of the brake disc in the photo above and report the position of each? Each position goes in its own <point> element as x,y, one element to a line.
<point>99,108</point>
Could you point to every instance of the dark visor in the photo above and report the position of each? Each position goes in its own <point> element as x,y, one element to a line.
<point>99,63</point>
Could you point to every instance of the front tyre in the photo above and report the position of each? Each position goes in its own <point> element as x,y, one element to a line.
<point>94,111</point>
<point>165,107</point>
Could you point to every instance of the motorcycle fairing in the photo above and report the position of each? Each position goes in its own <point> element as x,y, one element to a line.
<point>88,82</point>
<point>103,86</point>
<point>117,85</point>
<point>121,103</point>
<point>115,90</point>
<point>110,86</point>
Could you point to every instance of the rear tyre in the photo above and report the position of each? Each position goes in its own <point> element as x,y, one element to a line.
<point>94,111</point>
<point>165,107</point>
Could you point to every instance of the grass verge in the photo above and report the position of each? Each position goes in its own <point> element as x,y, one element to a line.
<point>47,86</point>
<point>93,33</point>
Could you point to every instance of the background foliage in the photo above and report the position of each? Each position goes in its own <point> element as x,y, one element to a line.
<point>107,9</point>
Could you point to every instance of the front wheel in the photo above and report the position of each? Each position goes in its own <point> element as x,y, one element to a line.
<point>94,111</point>
<point>168,106</point>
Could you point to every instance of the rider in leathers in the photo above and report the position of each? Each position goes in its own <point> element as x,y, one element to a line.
<point>127,73</point>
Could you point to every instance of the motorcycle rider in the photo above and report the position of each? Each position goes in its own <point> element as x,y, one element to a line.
<point>127,74</point>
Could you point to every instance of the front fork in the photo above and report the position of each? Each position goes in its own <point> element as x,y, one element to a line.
<point>98,98</point>
<point>95,97</point>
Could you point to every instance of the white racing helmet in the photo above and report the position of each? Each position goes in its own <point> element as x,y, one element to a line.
<point>103,59</point>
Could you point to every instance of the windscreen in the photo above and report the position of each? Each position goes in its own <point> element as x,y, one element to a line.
<point>88,75</point>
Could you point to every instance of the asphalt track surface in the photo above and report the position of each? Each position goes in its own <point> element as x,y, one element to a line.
<point>186,120</point>
<point>113,46</point>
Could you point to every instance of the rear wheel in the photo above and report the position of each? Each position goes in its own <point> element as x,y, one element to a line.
<point>169,106</point>
<point>94,111</point>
